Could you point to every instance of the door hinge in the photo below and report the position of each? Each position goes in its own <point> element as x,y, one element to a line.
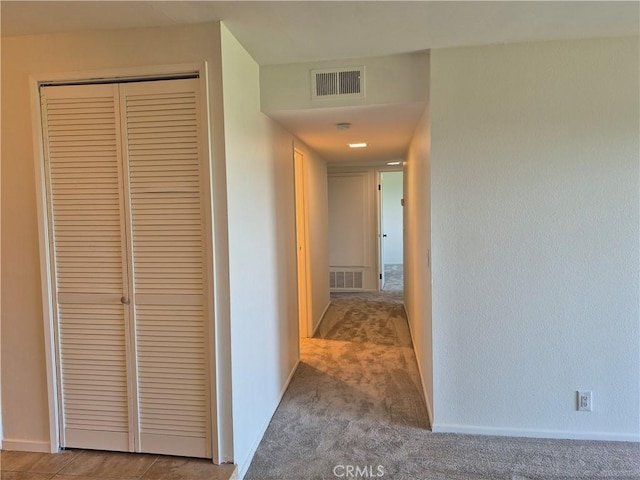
<point>380,276</point>
<point>379,187</point>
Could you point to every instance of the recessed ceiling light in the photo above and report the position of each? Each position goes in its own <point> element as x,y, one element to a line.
<point>393,163</point>
<point>357,145</point>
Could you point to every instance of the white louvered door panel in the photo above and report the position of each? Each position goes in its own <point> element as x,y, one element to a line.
<point>165,212</point>
<point>84,188</point>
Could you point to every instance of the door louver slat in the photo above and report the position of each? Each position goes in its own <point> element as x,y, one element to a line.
<point>87,256</point>
<point>131,295</point>
<point>168,267</point>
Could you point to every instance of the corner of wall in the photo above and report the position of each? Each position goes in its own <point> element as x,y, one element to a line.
<point>425,392</point>
<point>221,252</point>
<point>317,324</point>
<point>261,240</point>
<point>417,249</point>
<point>246,462</point>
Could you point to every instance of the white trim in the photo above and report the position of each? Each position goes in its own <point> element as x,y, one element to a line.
<point>421,374</point>
<point>381,278</point>
<point>220,258</point>
<point>206,154</point>
<point>110,74</point>
<point>246,463</point>
<point>534,433</point>
<point>43,235</point>
<point>45,265</point>
<point>380,217</point>
<point>27,446</point>
<point>353,290</point>
<point>326,309</point>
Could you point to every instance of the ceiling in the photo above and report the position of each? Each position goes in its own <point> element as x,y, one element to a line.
<point>387,129</point>
<point>307,31</point>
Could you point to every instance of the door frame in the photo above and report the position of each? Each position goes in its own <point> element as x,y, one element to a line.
<point>220,407</point>
<point>302,244</point>
<point>380,217</point>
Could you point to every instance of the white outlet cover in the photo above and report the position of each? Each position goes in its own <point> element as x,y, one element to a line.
<point>585,401</point>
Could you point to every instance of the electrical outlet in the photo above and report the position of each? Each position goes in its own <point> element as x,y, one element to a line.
<point>585,401</point>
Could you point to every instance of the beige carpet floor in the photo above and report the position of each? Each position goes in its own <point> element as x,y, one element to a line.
<point>354,409</point>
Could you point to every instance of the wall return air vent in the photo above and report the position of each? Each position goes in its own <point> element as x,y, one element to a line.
<point>345,280</point>
<point>346,82</point>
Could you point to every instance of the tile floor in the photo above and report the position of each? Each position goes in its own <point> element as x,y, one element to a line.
<point>92,465</point>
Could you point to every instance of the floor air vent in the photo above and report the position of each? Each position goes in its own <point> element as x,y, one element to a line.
<point>345,280</point>
<point>338,82</point>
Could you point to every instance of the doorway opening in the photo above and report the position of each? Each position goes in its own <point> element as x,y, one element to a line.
<point>391,230</point>
<point>302,241</point>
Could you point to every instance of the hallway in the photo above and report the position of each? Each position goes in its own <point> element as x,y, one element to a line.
<point>354,399</point>
<point>354,409</point>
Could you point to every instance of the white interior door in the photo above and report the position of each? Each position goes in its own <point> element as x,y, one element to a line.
<point>167,233</point>
<point>128,236</point>
<point>301,246</point>
<point>352,230</point>
<point>88,246</point>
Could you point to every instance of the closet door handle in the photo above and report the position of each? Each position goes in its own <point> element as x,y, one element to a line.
<point>124,300</point>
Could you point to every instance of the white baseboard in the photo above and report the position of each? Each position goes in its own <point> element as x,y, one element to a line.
<point>353,290</point>
<point>26,446</point>
<point>246,463</point>
<point>532,433</point>
<point>421,374</point>
<point>513,432</point>
<point>326,309</point>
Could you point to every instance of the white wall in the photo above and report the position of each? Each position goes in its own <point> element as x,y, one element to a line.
<point>318,221</point>
<point>24,385</point>
<point>388,79</point>
<point>262,251</point>
<point>392,216</point>
<point>535,201</point>
<point>417,250</point>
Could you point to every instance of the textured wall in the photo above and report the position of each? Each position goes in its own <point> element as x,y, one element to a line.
<point>262,251</point>
<point>389,79</point>
<point>535,238</point>
<point>417,250</point>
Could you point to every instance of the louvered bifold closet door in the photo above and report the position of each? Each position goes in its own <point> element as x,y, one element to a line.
<point>163,160</point>
<point>87,243</point>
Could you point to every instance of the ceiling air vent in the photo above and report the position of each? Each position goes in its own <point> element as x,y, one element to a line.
<point>347,82</point>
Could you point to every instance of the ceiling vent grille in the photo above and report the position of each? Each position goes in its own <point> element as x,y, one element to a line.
<point>338,82</point>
